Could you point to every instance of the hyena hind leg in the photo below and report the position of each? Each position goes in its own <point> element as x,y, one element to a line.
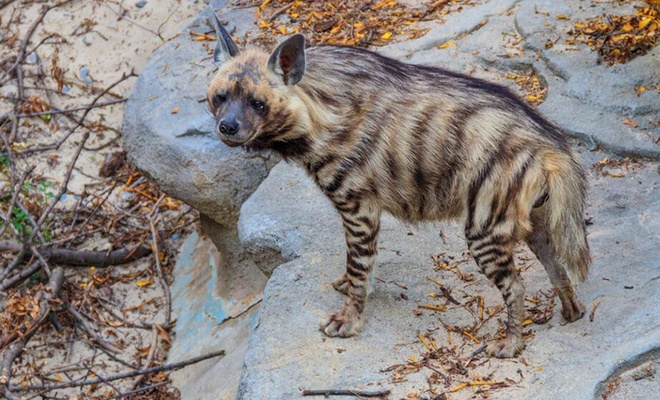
<point>342,283</point>
<point>539,241</point>
<point>493,253</point>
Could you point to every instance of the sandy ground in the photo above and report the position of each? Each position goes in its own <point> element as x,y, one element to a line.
<point>104,38</point>
<point>76,52</point>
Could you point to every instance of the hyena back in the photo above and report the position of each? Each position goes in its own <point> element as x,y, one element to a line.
<point>420,143</point>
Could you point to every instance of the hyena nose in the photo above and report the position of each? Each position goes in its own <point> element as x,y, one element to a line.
<point>228,127</point>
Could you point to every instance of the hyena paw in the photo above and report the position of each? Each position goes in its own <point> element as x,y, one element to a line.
<point>343,324</point>
<point>341,284</point>
<point>573,312</point>
<point>505,348</point>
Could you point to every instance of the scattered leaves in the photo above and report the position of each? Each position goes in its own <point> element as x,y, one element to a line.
<point>620,38</point>
<point>530,84</point>
<point>349,22</point>
<point>614,167</point>
<point>144,282</point>
<point>448,44</point>
<point>630,123</point>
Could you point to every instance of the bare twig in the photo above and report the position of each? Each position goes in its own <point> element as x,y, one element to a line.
<point>124,375</point>
<point>89,218</point>
<point>159,269</point>
<point>142,389</point>
<point>132,324</point>
<point>70,110</point>
<point>16,190</point>
<point>150,356</point>
<point>279,11</point>
<point>20,277</point>
<point>107,382</point>
<point>444,290</point>
<point>26,39</point>
<point>85,326</point>
<point>79,122</point>
<point>345,392</point>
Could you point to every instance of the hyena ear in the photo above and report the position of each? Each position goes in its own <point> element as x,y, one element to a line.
<point>288,60</point>
<point>225,48</point>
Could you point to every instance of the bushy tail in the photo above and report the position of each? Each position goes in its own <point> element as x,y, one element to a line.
<point>566,184</point>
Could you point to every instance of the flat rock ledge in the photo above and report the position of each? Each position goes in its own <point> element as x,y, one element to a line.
<point>287,352</point>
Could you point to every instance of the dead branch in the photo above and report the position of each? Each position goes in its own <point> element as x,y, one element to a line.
<point>70,110</point>
<point>124,375</point>
<point>79,122</point>
<point>20,277</point>
<point>132,324</point>
<point>345,392</point>
<point>27,242</point>
<point>159,269</point>
<point>142,389</point>
<point>279,12</point>
<point>23,49</point>
<point>87,328</point>
<point>5,3</point>
<point>150,356</point>
<point>82,258</point>
<point>444,290</point>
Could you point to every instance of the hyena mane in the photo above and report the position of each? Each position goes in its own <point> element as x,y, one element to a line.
<point>421,143</point>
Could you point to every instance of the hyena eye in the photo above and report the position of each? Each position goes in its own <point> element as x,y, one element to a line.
<point>259,106</point>
<point>219,99</point>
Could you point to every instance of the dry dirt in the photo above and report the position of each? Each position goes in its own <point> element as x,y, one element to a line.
<point>80,53</point>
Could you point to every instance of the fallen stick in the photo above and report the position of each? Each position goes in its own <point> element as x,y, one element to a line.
<point>70,110</point>
<point>81,258</point>
<point>345,392</point>
<point>124,375</point>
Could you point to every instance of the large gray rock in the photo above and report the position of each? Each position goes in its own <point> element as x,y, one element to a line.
<point>169,135</point>
<point>288,353</point>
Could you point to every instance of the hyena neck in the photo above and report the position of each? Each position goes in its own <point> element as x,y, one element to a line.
<point>302,138</point>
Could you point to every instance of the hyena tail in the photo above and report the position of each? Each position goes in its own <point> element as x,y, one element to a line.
<point>566,189</point>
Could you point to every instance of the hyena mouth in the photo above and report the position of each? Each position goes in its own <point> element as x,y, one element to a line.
<point>232,143</point>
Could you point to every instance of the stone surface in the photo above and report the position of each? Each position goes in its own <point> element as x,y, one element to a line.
<point>288,229</point>
<point>214,302</point>
<point>287,352</point>
<point>169,134</point>
<point>590,99</point>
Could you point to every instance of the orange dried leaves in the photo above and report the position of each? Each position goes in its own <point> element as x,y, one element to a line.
<point>532,88</point>
<point>618,39</point>
<point>348,23</point>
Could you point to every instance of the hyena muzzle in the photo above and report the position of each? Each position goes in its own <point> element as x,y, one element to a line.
<point>420,143</point>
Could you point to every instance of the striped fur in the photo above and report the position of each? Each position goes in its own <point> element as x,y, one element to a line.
<point>422,144</point>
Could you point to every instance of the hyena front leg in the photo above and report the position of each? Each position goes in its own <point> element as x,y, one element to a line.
<point>361,226</point>
<point>493,252</point>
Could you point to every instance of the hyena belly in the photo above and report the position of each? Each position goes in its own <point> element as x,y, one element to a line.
<point>421,143</point>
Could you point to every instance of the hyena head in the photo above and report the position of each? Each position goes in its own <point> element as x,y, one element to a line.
<point>251,97</point>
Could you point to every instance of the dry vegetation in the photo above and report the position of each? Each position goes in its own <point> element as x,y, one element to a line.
<point>87,244</point>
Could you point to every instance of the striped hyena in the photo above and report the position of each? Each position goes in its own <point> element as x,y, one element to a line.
<point>420,143</point>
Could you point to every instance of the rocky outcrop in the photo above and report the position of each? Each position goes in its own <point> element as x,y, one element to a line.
<point>287,228</point>
<point>169,135</point>
<point>287,352</point>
